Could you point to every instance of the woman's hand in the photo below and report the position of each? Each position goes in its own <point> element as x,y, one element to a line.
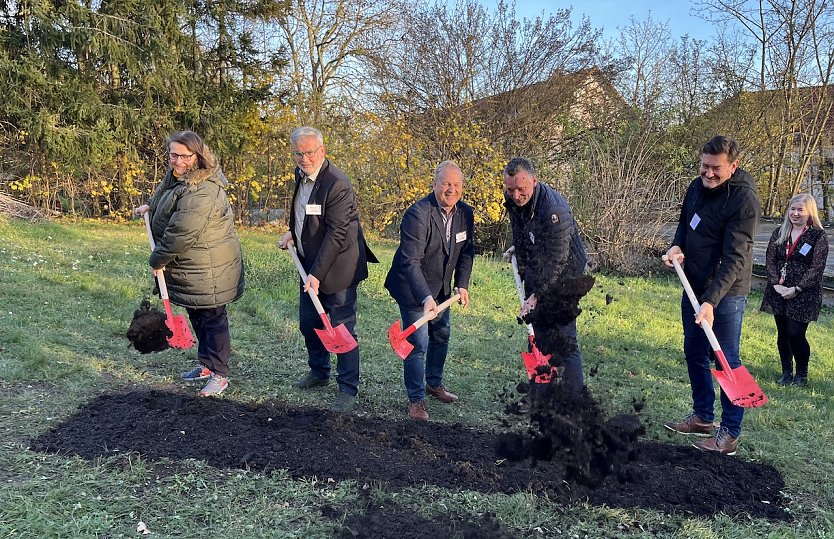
<point>141,210</point>
<point>790,293</point>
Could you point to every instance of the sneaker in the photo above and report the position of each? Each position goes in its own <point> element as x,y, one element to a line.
<point>344,403</point>
<point>800,380</point>
<point>216,385</point>
<point>692,424</point>
<point>196,374</point>
<point>722,443</point>
<point>786,379</point>
<point>417,410</point>
<point>310,380</point>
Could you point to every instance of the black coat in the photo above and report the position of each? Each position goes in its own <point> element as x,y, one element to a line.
<point>719,249</point>
<point>334,247</point>
<point>804,269</point>
<point>424,262</point>
<point>547,244</point>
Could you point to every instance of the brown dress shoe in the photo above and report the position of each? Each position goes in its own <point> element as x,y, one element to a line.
<point>692,424</point>
<point>441,394</point>
<point>722,442</point>
<point>417,410</point>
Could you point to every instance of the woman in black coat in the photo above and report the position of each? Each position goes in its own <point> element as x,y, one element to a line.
<point>795,263</point>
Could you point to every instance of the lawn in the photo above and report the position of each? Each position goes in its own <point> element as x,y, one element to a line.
<point>69,290</point>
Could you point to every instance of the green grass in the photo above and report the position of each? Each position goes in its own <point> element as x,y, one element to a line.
<point>69,290</point>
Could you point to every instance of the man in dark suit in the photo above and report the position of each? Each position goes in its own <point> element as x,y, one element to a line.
<point>436,241</point>
<point>324,227</point>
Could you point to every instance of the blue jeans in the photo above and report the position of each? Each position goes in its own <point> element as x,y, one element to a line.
<point>699,357</point>
<point>341,308</point>
<point>426,360</point>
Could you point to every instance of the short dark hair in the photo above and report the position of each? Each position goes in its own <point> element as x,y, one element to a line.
<point>519,163</point>
<point>721,144</point>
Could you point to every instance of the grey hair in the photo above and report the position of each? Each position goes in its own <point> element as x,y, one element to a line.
<point>518,164</point>
<point>444,165</point>
<point>304,132</point>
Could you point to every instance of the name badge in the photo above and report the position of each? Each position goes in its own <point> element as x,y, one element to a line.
<point>804,249</point>
<point>461,236</point>
<point>693,224</point>
<point>312,209</point>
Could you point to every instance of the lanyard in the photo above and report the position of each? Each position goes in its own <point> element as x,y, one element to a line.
<point>789,248</point>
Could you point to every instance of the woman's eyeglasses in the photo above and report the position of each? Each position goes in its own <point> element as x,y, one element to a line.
<point>180,156</point>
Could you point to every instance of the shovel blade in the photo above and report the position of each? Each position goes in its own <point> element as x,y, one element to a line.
<point>538,365</point>
<point>399,343</point>
<point>181,336</point>
<point>337,339</point>
<point>740,387</point>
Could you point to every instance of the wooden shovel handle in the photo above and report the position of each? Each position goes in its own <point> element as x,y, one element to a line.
<point>160,276</point>
<point>313,296</point>
<point>440,308</point>
<point>713,341</point>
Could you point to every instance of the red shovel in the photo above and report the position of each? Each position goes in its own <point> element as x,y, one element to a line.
<point>336,340</point>
<point>181,336</point>
<point>738,384</point>
<point>535,359</point>
<point>397,337</point>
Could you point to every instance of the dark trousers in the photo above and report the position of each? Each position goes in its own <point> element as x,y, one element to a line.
<point>214,343</point>
<point>341,307</point>
<point>726,325</point>
<point>571,361</point>
<point>792,345</point>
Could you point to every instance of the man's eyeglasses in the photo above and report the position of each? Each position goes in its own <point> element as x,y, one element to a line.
<point>180,156</point>
<point>308,154</point>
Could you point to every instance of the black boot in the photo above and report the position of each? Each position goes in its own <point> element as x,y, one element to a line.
<point>786,379</point>
<point>800,379</point>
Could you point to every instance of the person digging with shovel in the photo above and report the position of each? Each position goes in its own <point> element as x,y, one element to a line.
<point>436,242</point>
<point>192,224</point>
<point>714,242</point>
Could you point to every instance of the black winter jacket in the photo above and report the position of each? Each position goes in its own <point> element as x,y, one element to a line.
<point>715,232</point>
<point>546,239</point>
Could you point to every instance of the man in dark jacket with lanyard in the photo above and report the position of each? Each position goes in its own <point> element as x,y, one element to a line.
<point>715,234</point>
<point>436,241</point>
<point>324,227</point>
<point>550,254</point>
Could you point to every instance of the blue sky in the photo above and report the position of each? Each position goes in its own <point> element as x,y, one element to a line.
<point>609,14</point>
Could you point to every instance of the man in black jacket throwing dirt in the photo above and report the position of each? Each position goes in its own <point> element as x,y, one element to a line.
<point>551,260</point>
<point>715,234</point>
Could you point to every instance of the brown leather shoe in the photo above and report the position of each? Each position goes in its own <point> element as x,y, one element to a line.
<point>417,410</point>
<point>722,442</point>
<point>441,394</point>
<point>692,424</point>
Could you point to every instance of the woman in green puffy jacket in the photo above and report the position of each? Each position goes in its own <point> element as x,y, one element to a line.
<point>192,224</point>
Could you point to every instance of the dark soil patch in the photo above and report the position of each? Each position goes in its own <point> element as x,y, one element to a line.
<point>148,332</point>
<point>398,454</point>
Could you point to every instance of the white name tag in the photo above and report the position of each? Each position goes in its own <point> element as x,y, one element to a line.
<point>312,209</point>
<point>461,236</point>
<point>804,249</point>
<point>693,224</point>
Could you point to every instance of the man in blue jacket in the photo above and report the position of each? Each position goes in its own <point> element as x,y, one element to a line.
<point>324,227</point>
<point>436,244</point>
<point>551,257</point>
<point>715,232</point>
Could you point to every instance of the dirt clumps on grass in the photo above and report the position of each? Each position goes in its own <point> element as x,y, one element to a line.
<point>148,332</point>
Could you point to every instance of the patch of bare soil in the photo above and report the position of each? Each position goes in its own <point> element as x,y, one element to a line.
<point>398,454</point>
<point>148,332</point>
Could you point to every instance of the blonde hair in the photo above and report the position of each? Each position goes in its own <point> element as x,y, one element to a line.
<point>813,219</point>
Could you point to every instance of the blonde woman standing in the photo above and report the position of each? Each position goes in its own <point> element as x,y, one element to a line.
<point>795,263</point>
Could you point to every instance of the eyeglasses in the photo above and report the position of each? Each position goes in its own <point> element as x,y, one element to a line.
<point>180,156</point>
<point>308,154</point>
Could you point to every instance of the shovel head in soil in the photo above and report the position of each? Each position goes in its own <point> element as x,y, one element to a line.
<point>537,364</point>
<point>737,383</point>
<point>397,337</point>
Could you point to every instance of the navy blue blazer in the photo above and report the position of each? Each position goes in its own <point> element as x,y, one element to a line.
<point>334,246</point>
<point>425,262</point>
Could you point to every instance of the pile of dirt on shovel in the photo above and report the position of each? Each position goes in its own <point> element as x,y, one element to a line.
<point>148,332</point>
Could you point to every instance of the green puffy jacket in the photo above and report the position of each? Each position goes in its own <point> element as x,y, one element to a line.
<point>192,224</point>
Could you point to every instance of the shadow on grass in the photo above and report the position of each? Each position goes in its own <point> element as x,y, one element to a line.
<point>396,454</point>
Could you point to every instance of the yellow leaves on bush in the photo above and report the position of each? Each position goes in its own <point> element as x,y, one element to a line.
<point>25,184</point>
